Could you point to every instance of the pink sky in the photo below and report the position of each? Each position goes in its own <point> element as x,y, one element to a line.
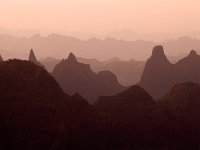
<point>101,16</point>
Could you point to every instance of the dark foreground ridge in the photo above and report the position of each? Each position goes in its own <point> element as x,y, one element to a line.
<point>36,114</point>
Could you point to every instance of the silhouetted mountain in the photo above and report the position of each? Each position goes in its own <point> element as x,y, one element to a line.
<point>55,45</point>
<point>33,59</point>
<point>78,77</point>
<point>160,75</point>
<point>181,45</point>
<point>36,114</point>
<point>188,68</point>
<point>127,72</point>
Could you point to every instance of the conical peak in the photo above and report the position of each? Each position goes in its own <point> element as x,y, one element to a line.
<point>71,58</point>
<point>32,57</point>
<point>158,51</point>
<point>193,53</point>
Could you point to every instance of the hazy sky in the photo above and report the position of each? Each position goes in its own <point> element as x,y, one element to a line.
<point>101,16</point>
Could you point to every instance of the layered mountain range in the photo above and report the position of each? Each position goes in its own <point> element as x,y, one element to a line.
<point>127,72</point>
<point>36,114</point>
<point>74,77</point>
<point>55,45</point>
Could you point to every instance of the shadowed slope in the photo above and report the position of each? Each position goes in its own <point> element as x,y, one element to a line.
<point>36,114</point>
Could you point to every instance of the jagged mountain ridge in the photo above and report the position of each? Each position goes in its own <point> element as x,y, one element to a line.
<point>78,77</point>
<point>56,45</point>
<point>127,72</point>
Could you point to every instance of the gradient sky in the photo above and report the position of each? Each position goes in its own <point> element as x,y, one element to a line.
<point>101,16</point>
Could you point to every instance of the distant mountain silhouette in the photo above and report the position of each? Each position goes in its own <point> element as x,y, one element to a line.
<point>33,59</point>
<point>160,75</point>
<point>78,77</point>
<point>127,72</point>
<point>55,45</point>
<point>157,77</point>
<point>188,68</point>
<point>1,59</point>
<point>36,114</point>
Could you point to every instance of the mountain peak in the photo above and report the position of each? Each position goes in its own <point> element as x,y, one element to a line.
<point>71,58</point>
<point>158,51</point>
<point>32,57</point>
<point>193,53</point>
